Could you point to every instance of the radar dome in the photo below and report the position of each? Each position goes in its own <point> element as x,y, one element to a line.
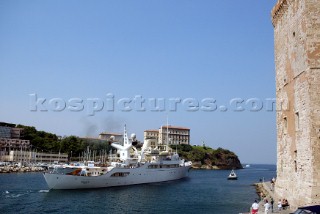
<point>133,136</point>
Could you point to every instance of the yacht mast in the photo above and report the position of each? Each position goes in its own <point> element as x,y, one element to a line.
<point>167,132</point>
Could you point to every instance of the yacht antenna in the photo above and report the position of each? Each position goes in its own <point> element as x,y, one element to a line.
<point>125,136</point>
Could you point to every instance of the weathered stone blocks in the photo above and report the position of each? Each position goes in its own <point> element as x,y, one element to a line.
<point>297,58</point>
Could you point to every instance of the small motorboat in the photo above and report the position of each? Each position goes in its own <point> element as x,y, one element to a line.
<point>232,176</point>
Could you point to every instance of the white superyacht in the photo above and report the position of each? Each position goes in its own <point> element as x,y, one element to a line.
<point>154,163</point>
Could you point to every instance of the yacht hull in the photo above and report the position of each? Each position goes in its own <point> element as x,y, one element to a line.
<point>124,176</point>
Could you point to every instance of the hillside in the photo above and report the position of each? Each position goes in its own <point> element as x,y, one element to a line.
<point>204,157</point>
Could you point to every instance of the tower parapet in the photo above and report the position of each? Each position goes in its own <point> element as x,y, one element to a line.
<point>278,10</point>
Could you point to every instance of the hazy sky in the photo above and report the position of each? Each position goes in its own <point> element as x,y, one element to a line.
<point>102,64</point>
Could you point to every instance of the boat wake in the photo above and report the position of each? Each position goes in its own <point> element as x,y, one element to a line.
<point>13,195</point>
<point>16,194</point>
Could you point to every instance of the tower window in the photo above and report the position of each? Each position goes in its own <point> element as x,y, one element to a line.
<point>295,161</point>
<point>285,120</point>
<point>297,121</point>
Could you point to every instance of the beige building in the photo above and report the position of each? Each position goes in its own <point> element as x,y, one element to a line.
<point>176,135</point>
<point>297,58</point>
<point>151,134</point>
<point>30,156</point>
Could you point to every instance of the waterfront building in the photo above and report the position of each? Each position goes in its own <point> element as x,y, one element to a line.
<point>16,133</point>
<point>151,134</point>
<point>297,59</point>
<point>8,130</point>
<point>177,135</point>
<point>33,157</point>
<point>5,132</point>
<point>10,139</point>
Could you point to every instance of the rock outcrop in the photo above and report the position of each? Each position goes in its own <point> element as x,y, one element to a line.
<point>204,157</point>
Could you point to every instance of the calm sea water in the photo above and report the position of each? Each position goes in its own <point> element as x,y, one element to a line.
<point>204,191</point>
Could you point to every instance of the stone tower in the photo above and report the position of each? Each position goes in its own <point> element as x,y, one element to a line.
<point>297,58</point>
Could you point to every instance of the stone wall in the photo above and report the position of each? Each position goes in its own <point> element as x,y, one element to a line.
<point>297,58</point>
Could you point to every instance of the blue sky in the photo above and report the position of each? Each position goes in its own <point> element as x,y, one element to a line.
<point>155,49</point>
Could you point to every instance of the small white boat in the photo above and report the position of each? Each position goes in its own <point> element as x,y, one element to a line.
<point>232,176</point>
<point>248,165</point>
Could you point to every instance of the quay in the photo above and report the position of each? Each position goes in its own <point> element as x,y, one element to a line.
<point>268,193</point>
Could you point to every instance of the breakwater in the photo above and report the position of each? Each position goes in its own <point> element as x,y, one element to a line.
<point>12,169</point>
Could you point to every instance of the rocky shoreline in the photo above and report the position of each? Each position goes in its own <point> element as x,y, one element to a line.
<point>17,169</point>
<point>199,165</point>
<point>12,169</point>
